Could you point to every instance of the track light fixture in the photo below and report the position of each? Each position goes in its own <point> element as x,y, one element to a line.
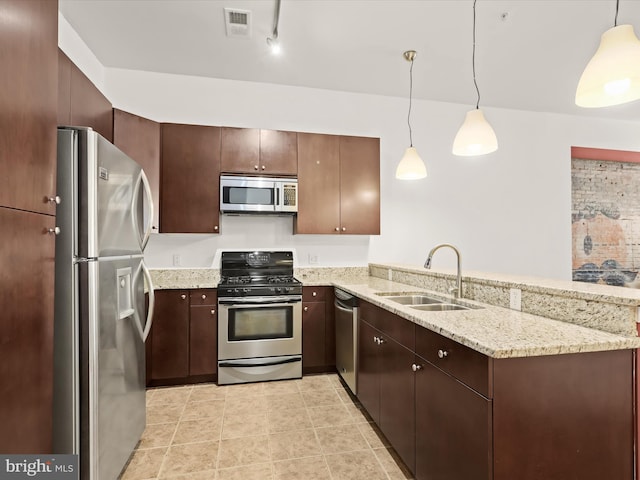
<point>273,41</point>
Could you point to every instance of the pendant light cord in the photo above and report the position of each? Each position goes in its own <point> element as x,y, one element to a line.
<point>473,56</point>
<point>410,93</point>
<point>615,22</point>
<point>277,20</point>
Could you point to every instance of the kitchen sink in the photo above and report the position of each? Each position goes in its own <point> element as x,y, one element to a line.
<point>415,300</point>
<point>439,307</point>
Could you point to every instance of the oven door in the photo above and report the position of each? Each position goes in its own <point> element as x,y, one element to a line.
<point>258,327</point>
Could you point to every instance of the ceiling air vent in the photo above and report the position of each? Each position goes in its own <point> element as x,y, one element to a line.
<point>238,22</point>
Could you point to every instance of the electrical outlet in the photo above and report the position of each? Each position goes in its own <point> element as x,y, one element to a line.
<point>515,299</point>
<point>177,260</point>
<point>313,259</point>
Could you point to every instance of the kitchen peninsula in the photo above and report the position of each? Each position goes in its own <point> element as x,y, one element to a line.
<point>546,392</point>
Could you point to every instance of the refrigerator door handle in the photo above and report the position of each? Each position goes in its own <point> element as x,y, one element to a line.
<point>142,180</point>
<point>147,192</point>
<point>152,298</point>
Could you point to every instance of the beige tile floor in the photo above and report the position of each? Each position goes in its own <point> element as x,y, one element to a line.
<point>307,429</point>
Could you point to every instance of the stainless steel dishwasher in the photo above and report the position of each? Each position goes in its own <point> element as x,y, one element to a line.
<point>346,313</point>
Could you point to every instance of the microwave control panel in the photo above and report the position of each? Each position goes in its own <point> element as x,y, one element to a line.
<point>290,195</point>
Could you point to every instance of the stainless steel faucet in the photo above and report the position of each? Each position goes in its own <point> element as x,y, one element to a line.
<point>458,290</point>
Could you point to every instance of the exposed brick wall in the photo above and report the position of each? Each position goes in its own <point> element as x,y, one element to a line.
<point>605,215</point>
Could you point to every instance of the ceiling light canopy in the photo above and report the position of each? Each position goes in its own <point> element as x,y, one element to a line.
<point>475,136</point>
<point>411,166</point>
<point>612,76</point>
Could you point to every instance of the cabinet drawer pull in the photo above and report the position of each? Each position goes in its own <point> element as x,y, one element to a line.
<point>381,341</point>
<point>54,231</point>
<point>213,312</point>
<point>376,340</point>
<point>313,294</point>
<point>443,354</point>
<point>204,297</point>
<point>183,296</point>
<point>306,309</point>
<point>55,200</point>
<point>416,367</point>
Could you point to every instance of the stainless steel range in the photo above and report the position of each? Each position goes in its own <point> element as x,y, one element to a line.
<point>259,318</point>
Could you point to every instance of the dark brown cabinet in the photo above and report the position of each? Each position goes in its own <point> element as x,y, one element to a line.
<point>80,103</point>
<point>339,185</point>
<point>475,417</point>
<point>169,336</point>
<point>182,345</point>
<point>255,151</point>
<point>139,138</point>
<point>29,38</point>
<point>203,332</point>
<point>190,179</point>
<point>385,376</point>
<point>318,330</point>
<point>26,343</point>
<point>28,102</point>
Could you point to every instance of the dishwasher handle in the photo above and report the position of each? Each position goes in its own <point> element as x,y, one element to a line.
<point>340,306</point>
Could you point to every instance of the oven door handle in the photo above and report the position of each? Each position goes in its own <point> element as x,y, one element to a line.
<point>258,300</point>
<point>260,362</point>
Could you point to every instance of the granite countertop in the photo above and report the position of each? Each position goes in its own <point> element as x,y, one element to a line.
<point>495,331</point>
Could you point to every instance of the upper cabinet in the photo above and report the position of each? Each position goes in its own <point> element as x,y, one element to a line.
<point>338,185</point>
<point>29,39</point>
<point>190,179</point>
<point>254,151</point>
<point>80,103</point>
<point>139,138</point>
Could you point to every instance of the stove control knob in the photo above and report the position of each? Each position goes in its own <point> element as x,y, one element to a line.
<point>235,290</point>
<point>246,290</point>
<point>278,290</point>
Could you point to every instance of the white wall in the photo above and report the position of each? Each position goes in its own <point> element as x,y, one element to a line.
<point>508,211</point>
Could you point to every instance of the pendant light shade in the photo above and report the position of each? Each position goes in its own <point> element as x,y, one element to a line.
<point>411,167</point>
<point>475,137</point>
<point>612,76</point>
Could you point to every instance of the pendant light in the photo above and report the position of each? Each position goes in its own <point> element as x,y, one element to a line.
<point>475,136</point>
<point>612,76</point>
<point>411,167</point>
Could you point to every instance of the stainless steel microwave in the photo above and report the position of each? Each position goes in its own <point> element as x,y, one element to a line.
<point>258,195</point>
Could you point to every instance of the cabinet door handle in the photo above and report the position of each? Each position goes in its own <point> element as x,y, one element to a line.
<point>306,309</point>
<point>255,167</point>
<point>204,297</point>
<point>443,354</point>
<point>54,231</point>
<point>55,200</point>
<point>213,312</point>
<point>337,229</point>
<point>381,341</point>
<point>263,167</point>
<point>183,296</point>
<point>344,229</point>
<point>376,340</point>
<point>313,294</point>
<point>216,228</point>
<point>416,368</point>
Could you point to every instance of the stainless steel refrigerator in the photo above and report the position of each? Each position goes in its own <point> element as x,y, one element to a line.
<point>100,323</point>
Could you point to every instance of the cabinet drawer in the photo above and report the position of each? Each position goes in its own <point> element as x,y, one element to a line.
<point>203,296</point>
<point>465,364</point>
<point>390,324</point>
<point>313,294</point>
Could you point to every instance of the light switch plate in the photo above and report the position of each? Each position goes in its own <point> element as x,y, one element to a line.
<point>515,299</point>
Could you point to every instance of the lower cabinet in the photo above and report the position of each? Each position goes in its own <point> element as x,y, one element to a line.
<point>452,413</point>
<point>182,344</point>
<point>318,330</point>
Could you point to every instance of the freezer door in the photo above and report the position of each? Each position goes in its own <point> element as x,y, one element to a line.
<point>116,362</point>
<point>111,199</point>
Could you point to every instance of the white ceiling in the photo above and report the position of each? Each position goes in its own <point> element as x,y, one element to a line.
<point>529,53</point>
